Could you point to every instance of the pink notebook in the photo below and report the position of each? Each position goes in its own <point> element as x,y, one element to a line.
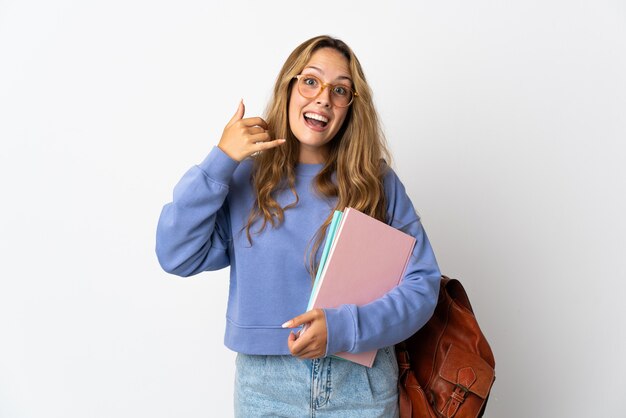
<point>367,259</point>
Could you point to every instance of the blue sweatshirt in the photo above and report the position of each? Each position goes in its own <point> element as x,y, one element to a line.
<point>204,228</point>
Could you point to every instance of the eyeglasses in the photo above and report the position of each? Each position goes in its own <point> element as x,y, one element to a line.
<point>310,87</point>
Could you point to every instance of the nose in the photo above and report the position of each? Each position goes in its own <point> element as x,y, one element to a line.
<point>324,97</point>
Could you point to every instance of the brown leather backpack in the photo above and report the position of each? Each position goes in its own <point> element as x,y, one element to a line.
<point>447,367</point>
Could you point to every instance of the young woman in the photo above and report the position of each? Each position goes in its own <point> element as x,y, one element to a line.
<point>261,202</point>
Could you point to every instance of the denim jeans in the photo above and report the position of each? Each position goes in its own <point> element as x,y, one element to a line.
<point>284,386</point>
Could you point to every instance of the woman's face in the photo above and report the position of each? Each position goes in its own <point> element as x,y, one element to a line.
<point>316,121</point>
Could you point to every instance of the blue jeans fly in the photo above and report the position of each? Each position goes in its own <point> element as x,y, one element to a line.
<point>284,386</point>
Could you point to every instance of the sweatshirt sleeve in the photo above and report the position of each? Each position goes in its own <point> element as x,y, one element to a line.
<point>403,310</point>
<point>193,232</point>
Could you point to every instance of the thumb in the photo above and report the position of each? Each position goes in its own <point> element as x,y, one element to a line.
<point>241,110</point>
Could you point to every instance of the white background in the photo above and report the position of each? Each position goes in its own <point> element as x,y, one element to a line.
<point>507,121</point>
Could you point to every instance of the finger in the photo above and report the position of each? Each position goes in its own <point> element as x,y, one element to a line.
<point>256,130</point>
<point>308,316</point>
<point>262,146</point>
<point>304,343</point>
<point>296,342</point>
<point>310,354</point>
<point>294,322</point>
<point>308,351</point>
<point>291,341</point>
<point>296,347</point>
<point>255,121</point>
<point>262,137</point>
<point>241,110</point>
<point>311,350</point>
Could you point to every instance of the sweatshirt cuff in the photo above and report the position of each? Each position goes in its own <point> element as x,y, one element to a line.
<point>218,166</point>
<point>340,328</point>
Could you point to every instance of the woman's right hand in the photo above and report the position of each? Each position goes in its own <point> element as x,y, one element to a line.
<point>243,137</point>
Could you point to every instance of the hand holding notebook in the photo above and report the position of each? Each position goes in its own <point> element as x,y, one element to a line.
<point>362,260</point>
<point>313,343</point>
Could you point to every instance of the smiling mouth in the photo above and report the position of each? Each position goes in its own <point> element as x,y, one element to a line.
<point>315,120</point>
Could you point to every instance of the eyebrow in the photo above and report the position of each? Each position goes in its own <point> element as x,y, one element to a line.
<point>341,77</point>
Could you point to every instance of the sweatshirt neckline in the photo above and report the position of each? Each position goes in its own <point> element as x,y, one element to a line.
<point>308,169</point>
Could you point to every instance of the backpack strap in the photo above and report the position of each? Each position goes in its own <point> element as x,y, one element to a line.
<point>404,370</point>
<point>457,292</point>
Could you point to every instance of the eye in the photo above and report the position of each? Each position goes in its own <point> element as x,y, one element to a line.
<point>341,90</point>
<point>310,81</point>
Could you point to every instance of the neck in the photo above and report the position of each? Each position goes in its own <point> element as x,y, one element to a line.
<point>312,155</point>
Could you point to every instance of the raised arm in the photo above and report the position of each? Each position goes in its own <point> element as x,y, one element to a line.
<point>193,233</point>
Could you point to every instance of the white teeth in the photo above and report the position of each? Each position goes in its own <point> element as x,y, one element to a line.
<point>316,117</point>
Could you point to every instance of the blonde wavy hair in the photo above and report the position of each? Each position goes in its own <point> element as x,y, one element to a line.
<point>357,153</point>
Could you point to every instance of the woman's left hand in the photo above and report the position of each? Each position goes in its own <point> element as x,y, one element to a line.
<point>311,342</point>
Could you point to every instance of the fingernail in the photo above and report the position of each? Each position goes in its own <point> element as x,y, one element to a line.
<point>286,324</point>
